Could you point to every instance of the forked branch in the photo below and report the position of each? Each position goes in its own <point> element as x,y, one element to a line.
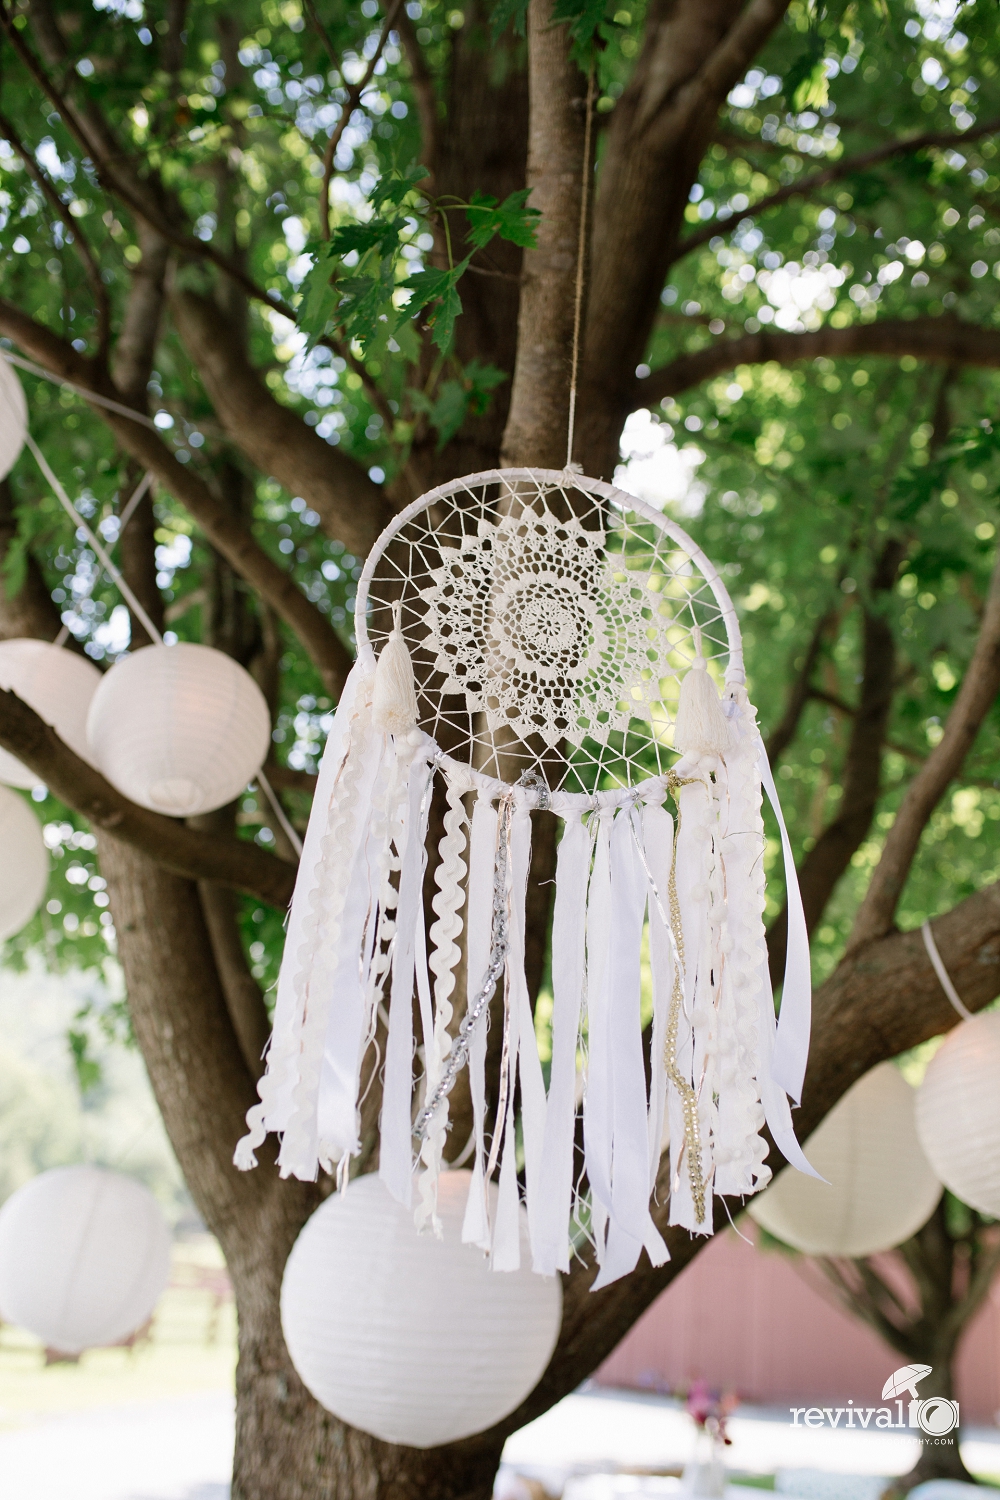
<point>974,699</point>
<point>804,187</point>
<point>232,539</point>
<point>942,340</point>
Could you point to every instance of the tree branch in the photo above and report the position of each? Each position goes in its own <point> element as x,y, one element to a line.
<point>784,732</point>
<point>200,856</point>
<point>354,92</point>
<point>351,507</point>
<point>974,699</point>
<point>227,534</point>
<point>422,84</point>
<point>838,170</point>
<point>80,243</point>
<point>831,854</point>
<point>940,339</point>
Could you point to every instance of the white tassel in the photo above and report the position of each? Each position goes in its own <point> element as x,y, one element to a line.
<point>394,700</point>
<point>701,726</point>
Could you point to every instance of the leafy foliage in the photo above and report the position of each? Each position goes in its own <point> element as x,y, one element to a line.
<point>801,474</point>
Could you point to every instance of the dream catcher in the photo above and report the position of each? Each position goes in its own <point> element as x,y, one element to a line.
<point>531,639</point>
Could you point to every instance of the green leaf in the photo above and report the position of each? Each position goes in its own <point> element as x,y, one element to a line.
<point>436,287</point>
<point>585,16</point>
<point>483,381</point>
<point>805,82</point>
<point>396,185</point>
<point>506,11</point>
<point>443,319</point>
<point>15,566</point>
<point>320,294</point>
<point>87,1068</point>
<point>511,220</point>
<point>363,237</point>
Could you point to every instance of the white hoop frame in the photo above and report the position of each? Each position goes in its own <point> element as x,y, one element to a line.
<point>626,504</point>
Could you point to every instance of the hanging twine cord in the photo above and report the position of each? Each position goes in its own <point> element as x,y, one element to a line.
<point>115,574</point>
<point>942,972</point>
<point>581,258</point>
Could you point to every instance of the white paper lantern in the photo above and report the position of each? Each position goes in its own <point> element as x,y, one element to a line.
<point>958,1113</point>
<point>84,1256</point>
<point>58,685</point>
<point>24,863</point>
<point>13,418</point>
<point>179,729</point>
<point>411,1338</point>
<point>880,1186</point>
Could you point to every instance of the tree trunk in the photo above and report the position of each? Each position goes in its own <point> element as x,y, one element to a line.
<point>940,1458</point>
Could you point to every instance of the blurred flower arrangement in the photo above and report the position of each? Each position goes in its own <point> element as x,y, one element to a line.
<point>705,1475</point>
<point>709,1410</point>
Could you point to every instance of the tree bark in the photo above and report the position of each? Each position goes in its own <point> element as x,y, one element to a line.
<point>831,854</point>
<point>29,609</point>
<point>539,407</point>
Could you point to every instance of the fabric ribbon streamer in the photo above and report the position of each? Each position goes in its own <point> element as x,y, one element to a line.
<point>545,634</point>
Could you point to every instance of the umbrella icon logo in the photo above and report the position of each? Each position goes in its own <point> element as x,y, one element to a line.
<point>905,1380</point>
<point>935,1415</point>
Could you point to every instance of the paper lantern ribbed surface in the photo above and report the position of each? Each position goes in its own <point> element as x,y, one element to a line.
<point>59,686</point>
<point>84,1256</point>
<point>24,863</point>
<point>958,1113</point>
<point>13,417</point>
<point>407,1336</point>
<point>880,1186</point>
<point>179,729</point>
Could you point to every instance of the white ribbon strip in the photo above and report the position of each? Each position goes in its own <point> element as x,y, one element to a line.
<point>343,1045</point>
<point>482,872</point>
<point>395,1156</point>
<point>791,1046</point>
<point>277,1085</point>
<point>657,842</point>
<point>597,1117</point>
<point>942,972</point>
<point>630,1224</point>
<point>569,925</point>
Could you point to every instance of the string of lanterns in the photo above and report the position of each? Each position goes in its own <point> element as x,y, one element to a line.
<point>180,729</point>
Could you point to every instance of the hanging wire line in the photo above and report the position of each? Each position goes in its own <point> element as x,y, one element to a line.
<point>581,259</point>
<point>123,521</point>
<point>137,609</point>
<point>81,390</point>
<point>279,812</point>
<point>99,549</point>
<point>115,573</point>
<point>129,510</point>
<point>942,972</point>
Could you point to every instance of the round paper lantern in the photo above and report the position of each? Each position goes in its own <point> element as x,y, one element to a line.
<point>411,1338</point>
<point>13,417</point>
<point>958,1113</point>
<point>84,1256</point>
<point>880,1186</point>
<point>58,685</point>
<point>179,729</point>
<point>24,863</point>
